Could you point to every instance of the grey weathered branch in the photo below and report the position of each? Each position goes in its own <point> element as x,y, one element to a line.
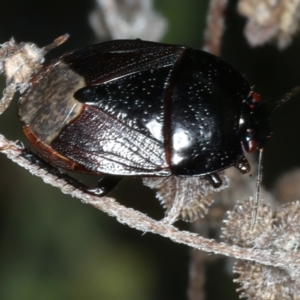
<point>139,221</point>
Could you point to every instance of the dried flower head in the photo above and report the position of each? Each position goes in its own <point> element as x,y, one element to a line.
<point>19,62</point>
<point>270,20</point>
<point>276,231</point>
<point>187,198</point>
<point>120,19</point>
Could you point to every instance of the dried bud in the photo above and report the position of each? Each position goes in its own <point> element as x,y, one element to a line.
<point>238,224</point>
<point>188,198</point>
<point>121,19</point>
<point>277,231</point>
<point>270,20</point>
<point>19,62</point>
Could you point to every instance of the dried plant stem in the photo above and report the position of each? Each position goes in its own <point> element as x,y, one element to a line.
<point>197,269</point>
<point>212,44</point>
<point>215,26</point>
<point>143,223</point>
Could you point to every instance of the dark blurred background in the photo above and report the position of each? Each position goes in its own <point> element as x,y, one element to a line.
<point>53,246</point>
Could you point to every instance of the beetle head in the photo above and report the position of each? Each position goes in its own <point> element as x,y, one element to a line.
<point>254,123</point>
<point>255,120</point>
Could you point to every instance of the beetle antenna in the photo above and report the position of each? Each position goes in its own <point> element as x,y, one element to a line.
<point>286,97</point>
<point>257,190</point>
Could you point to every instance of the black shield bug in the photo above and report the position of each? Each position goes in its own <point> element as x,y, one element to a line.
<point>137,108</point>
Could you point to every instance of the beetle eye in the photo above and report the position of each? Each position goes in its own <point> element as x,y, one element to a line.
<point>251,146</point>
<point>256,98</point>
<point>250,142</point>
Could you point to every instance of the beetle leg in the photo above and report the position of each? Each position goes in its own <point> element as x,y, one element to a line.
<point>242,165</point>
<point>214,179</point>
<point>105,185</point>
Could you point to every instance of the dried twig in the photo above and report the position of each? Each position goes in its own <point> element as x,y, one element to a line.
<point>139,221</point>
<point>215,26</point>
<point>212,43</point>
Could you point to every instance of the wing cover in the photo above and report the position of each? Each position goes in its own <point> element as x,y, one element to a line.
<point>111,60</point>
<point>106,145</point>
<point>206,103</point>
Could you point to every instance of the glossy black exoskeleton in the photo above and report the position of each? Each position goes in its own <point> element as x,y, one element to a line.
<point>136,108</point>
